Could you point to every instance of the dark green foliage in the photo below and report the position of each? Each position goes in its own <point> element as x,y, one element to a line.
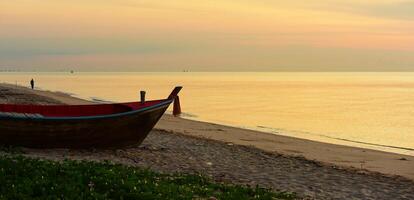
<point>10,149</point>
<point>25,178</point>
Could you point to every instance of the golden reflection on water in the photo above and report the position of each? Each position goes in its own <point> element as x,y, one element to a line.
<point>375,108</point>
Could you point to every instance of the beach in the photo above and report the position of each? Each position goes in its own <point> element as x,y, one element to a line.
<point>311,169</point>
<point>366,110</point>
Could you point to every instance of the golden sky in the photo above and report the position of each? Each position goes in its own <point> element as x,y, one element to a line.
<point>213,35</point>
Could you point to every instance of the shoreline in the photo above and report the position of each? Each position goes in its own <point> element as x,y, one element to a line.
<point>387,163</point>
<point>328,139</point>
<point>404,151</point>
<point>383,132</point>
<point>312,170</point>
<point>292,132</point>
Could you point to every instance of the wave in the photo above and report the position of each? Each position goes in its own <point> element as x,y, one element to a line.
<point>372,144</point>
<point>275,130</point>
<point>99,100</point>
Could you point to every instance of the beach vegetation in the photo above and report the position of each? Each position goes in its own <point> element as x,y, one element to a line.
<point>29,178</point>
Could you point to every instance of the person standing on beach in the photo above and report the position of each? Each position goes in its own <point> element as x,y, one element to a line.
<point>32,84</point>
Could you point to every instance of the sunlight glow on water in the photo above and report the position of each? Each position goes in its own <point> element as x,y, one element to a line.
<point>370,110</point>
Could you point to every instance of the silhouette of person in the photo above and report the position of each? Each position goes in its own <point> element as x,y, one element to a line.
<point>32,84</point>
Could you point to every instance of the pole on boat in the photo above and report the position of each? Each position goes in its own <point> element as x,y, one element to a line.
<point>177,106</point>
<point>142,97</point>
<point>174,96</point>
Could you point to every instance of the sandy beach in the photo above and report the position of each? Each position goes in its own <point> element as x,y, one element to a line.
<point>311,169</point>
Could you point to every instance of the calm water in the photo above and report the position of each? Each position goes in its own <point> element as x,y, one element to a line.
<point>371,110</point>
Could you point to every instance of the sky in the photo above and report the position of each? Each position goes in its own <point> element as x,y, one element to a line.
<point>213,35</point>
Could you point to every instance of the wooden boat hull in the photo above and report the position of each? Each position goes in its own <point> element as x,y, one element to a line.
<point>102,132</point>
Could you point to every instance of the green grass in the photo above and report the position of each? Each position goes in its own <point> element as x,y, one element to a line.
<point>26,178</point>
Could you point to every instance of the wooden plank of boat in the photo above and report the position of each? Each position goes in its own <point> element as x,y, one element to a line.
<point>80,126</point>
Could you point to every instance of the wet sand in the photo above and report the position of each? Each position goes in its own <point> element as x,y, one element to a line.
<point>312,169</point>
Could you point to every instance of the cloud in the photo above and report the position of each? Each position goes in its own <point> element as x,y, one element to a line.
<point>26,47</point>
<point>400,10</point>
<point>388,9</point>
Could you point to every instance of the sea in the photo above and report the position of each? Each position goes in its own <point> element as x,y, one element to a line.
<point>373,110</point>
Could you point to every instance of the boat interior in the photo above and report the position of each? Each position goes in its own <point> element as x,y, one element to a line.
<point>72,110</point>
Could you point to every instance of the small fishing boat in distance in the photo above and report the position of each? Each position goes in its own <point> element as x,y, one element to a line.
<point>82,126</point>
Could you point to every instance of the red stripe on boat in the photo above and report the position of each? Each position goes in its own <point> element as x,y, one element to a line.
<point>76,110</point>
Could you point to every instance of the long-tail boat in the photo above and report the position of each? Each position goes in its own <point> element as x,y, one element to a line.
<point>81,126</point>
